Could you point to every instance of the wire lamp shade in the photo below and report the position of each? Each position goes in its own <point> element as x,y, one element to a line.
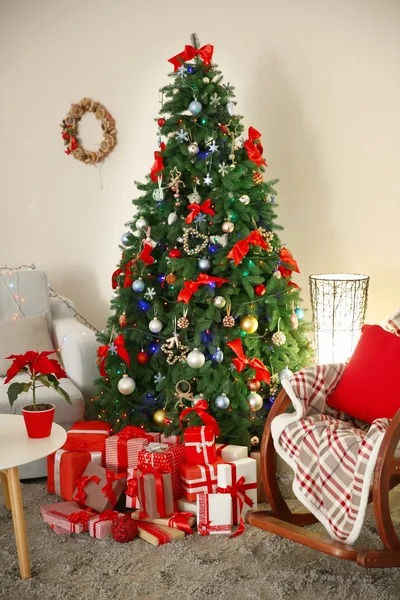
<point>339,303</point>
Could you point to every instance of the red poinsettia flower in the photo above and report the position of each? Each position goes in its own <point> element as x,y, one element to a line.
<point>34,362</point>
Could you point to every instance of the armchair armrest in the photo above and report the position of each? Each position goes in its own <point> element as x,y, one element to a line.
<point>78,347</point>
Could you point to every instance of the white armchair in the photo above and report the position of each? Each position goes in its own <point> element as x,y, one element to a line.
<point>77,345</point>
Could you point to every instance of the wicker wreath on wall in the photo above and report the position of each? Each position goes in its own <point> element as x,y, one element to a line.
<point>70,132</point>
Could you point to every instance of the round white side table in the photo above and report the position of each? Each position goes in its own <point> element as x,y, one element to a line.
<point>16,449</point>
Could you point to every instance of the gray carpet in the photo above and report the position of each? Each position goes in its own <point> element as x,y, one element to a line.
<point>255,566</point>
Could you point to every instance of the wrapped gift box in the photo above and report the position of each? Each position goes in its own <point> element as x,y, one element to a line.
<point>65,467</point>
<point>99,488</point>
<point>132,494</point>
<point>200,445</point>
<point>214,513</point>
<point>241,475</point>
<point>155,494</point>
<point>91,435</point>
<point>180,520</point>
<point>169,458</point>
<point>171,440</point>
<point>198,478</point>
<point>261,497</point>
<point>66,515</point>
<point>158,534</point>
<point>100,525</point>
<point>186,506</point>
<point>122,449</point>
<point>229,452</point>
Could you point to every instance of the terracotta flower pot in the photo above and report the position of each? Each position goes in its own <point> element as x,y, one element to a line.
<point>39,422</point>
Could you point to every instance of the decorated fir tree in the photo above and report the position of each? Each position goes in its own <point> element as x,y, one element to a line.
<point>204,303</point>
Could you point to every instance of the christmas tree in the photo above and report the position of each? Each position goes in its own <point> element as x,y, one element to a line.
<point>204,305</point>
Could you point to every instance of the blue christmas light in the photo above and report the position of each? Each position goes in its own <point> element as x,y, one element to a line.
<point>212,284</point>
<point>143,305</point>
<point>161,278</point>
<point>213,248</point>
<point>153,348</point>
<point>189,68</point>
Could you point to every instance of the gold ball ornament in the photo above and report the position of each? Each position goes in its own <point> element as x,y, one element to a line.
<point>227,227</point>
<point>255,440</point>
<point>159,417</point>
<point>279,338</point>
<point>255,401</point>
<point>249,324</point>
<point>254,385</point>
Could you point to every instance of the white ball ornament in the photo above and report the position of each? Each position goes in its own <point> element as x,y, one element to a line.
<point>175,91</point>
<point>126,385</point>
<point>138,285</point>
<point>155,325</point>
<point>195,107</point>
<point>204,264</point>
<point>227,227</point>
<point>196,359</point>
<point>141,223</point>
<point>255,401</point>
<point>222,402</point>
<point>206,80</point>
<point>277,274</point>
<point>285,374</point>
<point>219,301</point>
<point>244,199</point>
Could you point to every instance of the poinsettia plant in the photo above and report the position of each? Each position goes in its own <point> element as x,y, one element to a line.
<point>42,370</point>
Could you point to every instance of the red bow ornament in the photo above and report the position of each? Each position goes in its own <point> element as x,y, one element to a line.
<point>205,53</point>
<point>191,287</point>
<point>241,248</point>
<point>196,209</point>
<point>262,373</point>
<point>128,276</point>
<point>286,257</point>
<point>158,164</point>
<point>254,148</point>
<point>116,347</point>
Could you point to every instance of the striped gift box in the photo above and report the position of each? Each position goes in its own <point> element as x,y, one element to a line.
<point>171,440</point>
<point>100,527</point>
<point>122,453</point>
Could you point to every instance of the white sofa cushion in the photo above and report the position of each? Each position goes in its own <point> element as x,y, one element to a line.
<point>64,412</point>
<point>21,335</point>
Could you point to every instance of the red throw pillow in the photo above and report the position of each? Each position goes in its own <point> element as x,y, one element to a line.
<point>370,388</point>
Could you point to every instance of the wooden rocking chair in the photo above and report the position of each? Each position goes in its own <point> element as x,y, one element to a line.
<point>281,521</point>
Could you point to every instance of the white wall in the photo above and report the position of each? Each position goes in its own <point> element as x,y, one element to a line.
<point>319,79</point>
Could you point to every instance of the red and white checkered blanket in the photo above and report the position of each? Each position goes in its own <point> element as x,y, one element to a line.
<point>332,455</point>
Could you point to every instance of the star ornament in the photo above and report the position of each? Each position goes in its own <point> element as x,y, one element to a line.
<point>212,146</point>
<point>207,180</point>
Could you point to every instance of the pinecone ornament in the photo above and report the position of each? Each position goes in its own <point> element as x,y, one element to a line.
<point>123,320</point>
<point>228,321</point>
<point>171,278</point>
<point>183,323</point>
<point>279,338</point>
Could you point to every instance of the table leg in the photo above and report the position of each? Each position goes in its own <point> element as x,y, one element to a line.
<point>19,522</point>
<point>4,483</point>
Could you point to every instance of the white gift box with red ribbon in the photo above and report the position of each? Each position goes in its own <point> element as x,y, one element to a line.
<point>214,513</point>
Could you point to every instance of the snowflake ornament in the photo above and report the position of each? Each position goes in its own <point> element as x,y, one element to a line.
<point>212,146</point>
<point>157,378</point>
<point>112,349</point>
<point>208,180</point>
<point>201,218</point>
<point>182,72</point>
<point>182,136</point>
<point>239,142</point>
<point>223,169</point>
<point>228,89</point>
<point>150,293</point>
<point>232,367</point>
<point>215,100</point>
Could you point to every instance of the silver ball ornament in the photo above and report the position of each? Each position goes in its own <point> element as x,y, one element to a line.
<point>219,301</point>
<point>228,227</point>
<point>244,199</point>
<point>138,285</point>
<point>222,402</point>
<point>285,374</point>
<point>197,399</point>
<point>195,107</point>
<point>141,223</point>
<point>277,274</point>
<point>218,356</point>
<point>196,359</point>
<point>171,135</point>
<point>255,401</point>
<point>204,264</point>
<point>230,107</point>
<point>126,385</point>
<point>155,325</point>
<point>193,149</point>
<point>125,238</point>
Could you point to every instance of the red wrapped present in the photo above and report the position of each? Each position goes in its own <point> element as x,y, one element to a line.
<point>200,440</point>
<point>122,449</point>
<point>64,467</point>
<point>198,478</point>
<point>154,488</point>
<point>98,488</point>
<point>171,440</point>
<point>170,457</point>
<point>91,435</point>
<point>67,515</point>
<point>101,524</point>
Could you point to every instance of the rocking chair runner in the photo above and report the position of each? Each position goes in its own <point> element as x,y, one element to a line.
<point>281,521</point>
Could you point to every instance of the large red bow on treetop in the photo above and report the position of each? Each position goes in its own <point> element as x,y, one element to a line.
<point>205,53</point>
<point>191,287</point>
<point>158,164</point>
<point>286,257</point>
<point>240,249</point>
<point>128,276</point>
<point>116,347</point>
<point>262,373</point>
<point>196,209</point>
<point>254,148</point>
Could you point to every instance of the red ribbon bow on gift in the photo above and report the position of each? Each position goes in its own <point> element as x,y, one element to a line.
<point>196,209</point>
<point>201,408</point>
<point>157,472</point>
<point>126,434</point>
<point>191,287</point>
<point>81,484</point>
<point>132,489</point>
<point>158,164</point>
<point>180,520</point>
<point>82,516</point>
<point>262,373</point>
<point>205,53</point>
<point>106,515</point>
<point>241,248</point>
<point>254,148</point>
<point>119,348</point>
<point>108,489</point>
<point>286,257</point>
<point>128,280</point>
<point>238,492</point>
